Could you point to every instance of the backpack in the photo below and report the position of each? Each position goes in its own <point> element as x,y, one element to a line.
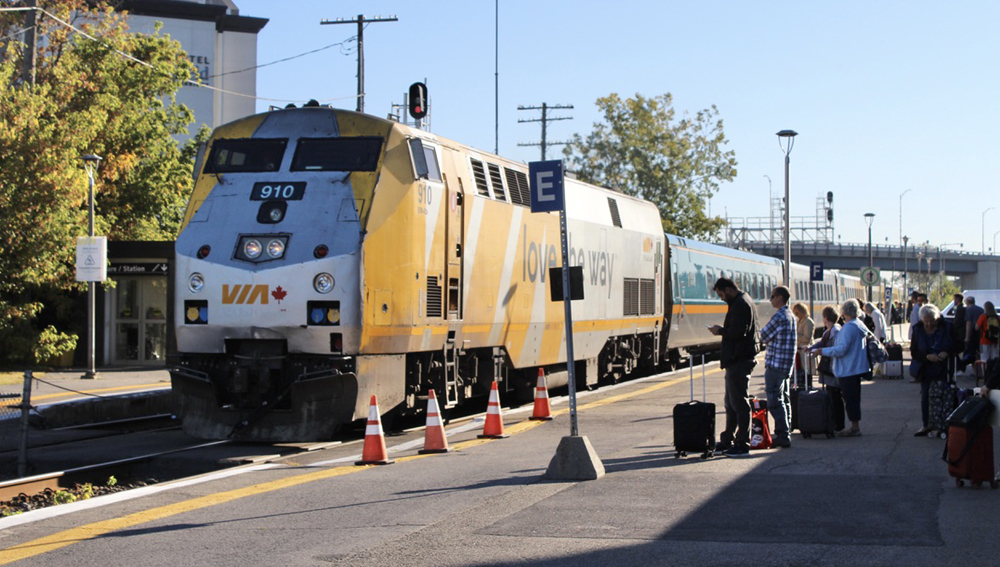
<point>877,353</point>
<point>992,329</point>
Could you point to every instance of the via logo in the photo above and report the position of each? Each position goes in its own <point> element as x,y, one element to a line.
<point>241,294</point>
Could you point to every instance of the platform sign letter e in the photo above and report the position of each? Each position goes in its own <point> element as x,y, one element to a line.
<point>545,180</point>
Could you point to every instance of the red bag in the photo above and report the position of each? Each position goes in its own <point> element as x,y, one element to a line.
<point>760,433</point>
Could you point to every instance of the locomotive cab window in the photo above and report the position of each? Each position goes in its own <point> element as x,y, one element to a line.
<point>245,155</point>
<point>425,162</point>
<point>337,154</point>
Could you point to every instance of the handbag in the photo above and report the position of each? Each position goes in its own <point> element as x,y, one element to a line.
<point>876,352</point>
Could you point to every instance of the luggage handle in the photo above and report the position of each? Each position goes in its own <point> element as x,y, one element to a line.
<point>704,396</point>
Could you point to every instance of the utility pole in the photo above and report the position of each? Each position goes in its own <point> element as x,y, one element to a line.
<point>361,21</point>
<point>545,120</point>
<point>30,51</point>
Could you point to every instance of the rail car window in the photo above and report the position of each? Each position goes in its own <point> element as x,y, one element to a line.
<point>425,163</point>
<point>245,155</point>
<point>337,154</point>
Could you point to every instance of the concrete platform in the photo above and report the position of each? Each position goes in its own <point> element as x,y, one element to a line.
<point>881,499</point>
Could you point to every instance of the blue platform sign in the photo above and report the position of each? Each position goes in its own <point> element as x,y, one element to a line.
<point>545,180</point>
<point>815,271</point>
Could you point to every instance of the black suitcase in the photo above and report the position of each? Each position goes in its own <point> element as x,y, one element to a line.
<point>895,351</point>
<point>694,424</point>
<point>815,413</point>
<point>812,411</point>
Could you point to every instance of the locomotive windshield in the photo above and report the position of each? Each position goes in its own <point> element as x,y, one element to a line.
<point>245,155</point>
<point>337,154</point>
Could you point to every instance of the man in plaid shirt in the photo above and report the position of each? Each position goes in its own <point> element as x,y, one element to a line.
<point>779,336</point>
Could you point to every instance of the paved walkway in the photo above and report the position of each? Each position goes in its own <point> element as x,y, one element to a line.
<point>881,499</point>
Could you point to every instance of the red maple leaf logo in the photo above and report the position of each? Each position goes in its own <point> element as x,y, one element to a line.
<point>279,294</point>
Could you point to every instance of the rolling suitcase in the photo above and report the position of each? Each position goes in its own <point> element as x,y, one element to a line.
<point>694,423</point>
<point>895,351</point>
<point>815,412</point>
<point>969,449</point>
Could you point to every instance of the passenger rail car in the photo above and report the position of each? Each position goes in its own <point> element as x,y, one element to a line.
<point>327,255</point>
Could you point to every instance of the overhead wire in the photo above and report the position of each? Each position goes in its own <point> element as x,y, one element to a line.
<point>186,81</point>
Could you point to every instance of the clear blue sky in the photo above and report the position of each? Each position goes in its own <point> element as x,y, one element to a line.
<point>886,96</point>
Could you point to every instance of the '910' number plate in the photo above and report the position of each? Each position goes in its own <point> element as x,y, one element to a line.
<point>291,191</point>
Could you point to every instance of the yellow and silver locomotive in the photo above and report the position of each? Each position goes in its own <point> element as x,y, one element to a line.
<point>328,255</point>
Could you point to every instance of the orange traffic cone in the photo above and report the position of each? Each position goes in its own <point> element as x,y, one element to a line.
<point>435,440</point>
<point>494,421</point>
<point>374,452</point>
<point>543,411</point>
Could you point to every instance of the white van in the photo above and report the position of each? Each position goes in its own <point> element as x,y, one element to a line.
<point>981,295</point>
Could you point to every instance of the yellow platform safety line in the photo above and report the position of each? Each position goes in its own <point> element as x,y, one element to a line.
<point>98,529</point>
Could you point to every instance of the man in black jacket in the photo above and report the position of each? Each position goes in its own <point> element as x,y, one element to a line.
<point>739,349</point>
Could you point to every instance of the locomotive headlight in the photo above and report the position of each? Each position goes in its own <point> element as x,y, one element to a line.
<point>275,248</point>
<point>252,248</point>
<point>196,282</point>
<point>323,283</point>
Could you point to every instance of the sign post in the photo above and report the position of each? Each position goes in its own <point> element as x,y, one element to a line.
<point>887,308</point>
<point>815,275</point>
<point>575,458</point>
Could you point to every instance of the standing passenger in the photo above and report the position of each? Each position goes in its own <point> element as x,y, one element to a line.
<point>804,328</point>
<point>878,319</point>
<point>958,334</point>
<point>780,337</point>
<point>739,347</point>
<point>850,363</point>
<point>988,327</point>
<point>825,366</point>
<point>972,313</point>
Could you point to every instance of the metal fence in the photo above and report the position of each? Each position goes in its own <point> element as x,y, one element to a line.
<point>14,425</point>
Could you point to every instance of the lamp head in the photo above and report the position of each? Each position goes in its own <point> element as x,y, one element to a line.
<point>869,217</point>
<point>90,162</point>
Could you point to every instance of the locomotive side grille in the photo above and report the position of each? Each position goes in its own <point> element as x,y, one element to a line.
<point>631,306</point>
<point>616,219</point>
<point>433,297</point>
<point>517,183</point>
<point>480,174</point>
<point>497,182</point>
<point>647,297</point>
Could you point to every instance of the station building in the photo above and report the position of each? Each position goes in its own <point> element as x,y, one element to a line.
<point>134,319</point>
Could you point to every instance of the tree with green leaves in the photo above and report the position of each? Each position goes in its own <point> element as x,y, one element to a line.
<point>113,96</point>
<point>643,149</point>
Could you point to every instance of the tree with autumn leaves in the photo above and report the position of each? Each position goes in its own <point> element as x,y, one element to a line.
<point>642,148</point>
<point>112,96</point>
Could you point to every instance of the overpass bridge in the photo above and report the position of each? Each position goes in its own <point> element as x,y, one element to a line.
<point>975,271</point>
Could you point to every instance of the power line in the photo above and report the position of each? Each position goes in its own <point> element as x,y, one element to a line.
<point>145,64</point>
<point>324,48</point>
<point>545,119</point>
<point>360,20</point>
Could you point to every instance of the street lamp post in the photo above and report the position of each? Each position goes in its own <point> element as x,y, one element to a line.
<point>994,249</point>
<point>984,228</point>
<point>906,289</point>
<point>788,137</point>
<point>90,163</point>
<point>901,214</point>
<point>869,218</point>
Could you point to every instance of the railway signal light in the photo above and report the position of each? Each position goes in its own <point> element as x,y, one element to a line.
<point>418,100</point>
